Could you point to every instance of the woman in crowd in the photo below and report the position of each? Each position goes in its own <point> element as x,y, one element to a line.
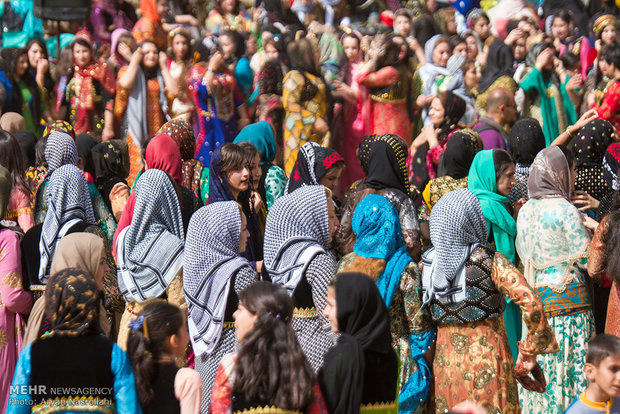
<point>89,95</point>
<point>299,229</point>
<point>316,165</point>
<point>567,38</point>
<point>15,300</point>
<point>114,13</point>
<point>552,242</point>
<point>608,105</point>
<point>285,382</point>
<point>525,142</point>
<point>141,105</point>
<point>304,97</point>
<point>150,25</point>
<point>273,180</point>
<point>270,107</point>
<point>158,335</point>
<point>227,14</point>
<point>149,252</point>
<point>497,73</point>
<point>122,48</point>
<point>454,165</point>
<point>18,210</point>
<point>39,69</point>
<point>475,340</point>
<point>361,370</point>
<point>380,253</point>
<point>111,164</point>
<point>26,97</point>
<point>74,355</point>
<point>214,274</point>
<point>179,63</point>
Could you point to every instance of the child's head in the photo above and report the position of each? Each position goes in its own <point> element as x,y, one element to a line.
<point>479,22</point>
<point>159,330</point>
<point>602,366</point>
<point>234,167</point>
<point>252,158</point>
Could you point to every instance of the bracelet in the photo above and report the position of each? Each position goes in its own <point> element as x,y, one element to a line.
<point>570,134</point>
<point>209,70</point>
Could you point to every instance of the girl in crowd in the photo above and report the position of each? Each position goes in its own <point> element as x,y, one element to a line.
<point>269,370</point>
<point>567,38</point>
<point>19,209</point>
<point>141,105</point>
<point>215,273</point>
<point>150,25</point>
<point>497,73</point>
<point>552,242</point>
<point>454,165</point>
<point>227,14</point>
<point>149,252</point>
<point>470,328</point>
<point>158,335</point>
<point>26,96</point>
<point>74,355</point>
<point>89,112</point>
<point>361,370</point>
<point>316,165</point>
<point>272,180</point>
<point>270,106</point>
<point>15,300</point>
<point>179,63</point>
<point>304,97</point>
<point>608,107</point>
<point>123,46</point>
<point>39,69</point>
<point>299,229</point>
<point>111,165</point>
<point>380,253</point>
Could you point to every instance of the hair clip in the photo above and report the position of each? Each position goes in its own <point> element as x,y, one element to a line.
<point>139,323</point>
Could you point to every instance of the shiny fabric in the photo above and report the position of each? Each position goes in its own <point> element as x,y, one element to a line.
<point>550,175</point>
<point>526,140</point>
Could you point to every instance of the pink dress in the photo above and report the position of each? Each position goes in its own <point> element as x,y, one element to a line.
<point>19,210</point>
<point>14,302</point>
<point>354,128</point>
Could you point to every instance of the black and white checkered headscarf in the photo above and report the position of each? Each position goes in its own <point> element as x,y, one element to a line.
<point>60,149</point>
<point>297,230</point>
<point>149,252</point>
<point>457,226</point>
<point>68,202</point>
<point>211,260</point>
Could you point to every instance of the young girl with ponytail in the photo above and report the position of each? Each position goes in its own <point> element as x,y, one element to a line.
<point>270,370</point>
<point>157,336</point>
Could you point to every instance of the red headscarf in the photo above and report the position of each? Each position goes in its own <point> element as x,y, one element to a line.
<point>163,153</point>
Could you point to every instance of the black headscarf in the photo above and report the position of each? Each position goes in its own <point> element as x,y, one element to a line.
<point>313,161</point>
<point>499,63</point>
<point>382,158</point>
<point>460,152</point>
<point>27,142</point>
<point>591,143</point>
<point>8,60</point>
<point>111,166</point>
<point>85,144</point>
<point>526,140</point>
<point>454,107</point>
<point>362,368</point>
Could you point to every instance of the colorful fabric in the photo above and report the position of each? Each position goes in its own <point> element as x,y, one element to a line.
<point>609,107</point>
<point>574,299</point>
<point>611,165</point>
<point>162,153</point>
<point>383,159</point>
<point>58,125</point>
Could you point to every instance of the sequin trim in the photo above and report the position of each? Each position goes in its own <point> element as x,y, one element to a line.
<point>305,313</point>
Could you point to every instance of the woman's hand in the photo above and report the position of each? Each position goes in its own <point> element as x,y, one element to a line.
<point>544,58</point>
<point>590,223</point>
<point>124,51</point>
<point>586,201</point>
<point>529,362</point>
<point>575,82</point>
<point>423,100</point>
<point>42,66</point>
<point>216,61</point>
<point>520,203</point>
<point>321,126</point>
<point>163,60</point>
<point>587,116</point>
<point>107,133</point>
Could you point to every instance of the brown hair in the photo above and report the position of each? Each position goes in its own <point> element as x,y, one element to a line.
<point>234,158</point>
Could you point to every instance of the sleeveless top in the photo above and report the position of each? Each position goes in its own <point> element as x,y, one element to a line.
<point>483,300</point>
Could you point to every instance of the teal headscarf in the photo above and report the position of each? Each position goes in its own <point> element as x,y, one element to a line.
<point>261,136</point>
<point>483,184</point>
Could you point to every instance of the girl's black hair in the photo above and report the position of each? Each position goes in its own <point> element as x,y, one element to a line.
<point>39,152</point>
<point>501,160</point>
<point>390,51</point>
<point>455,40</point>
<point>569,60</point>
<point>11,158</point>
<point>271,366</point>
<point>237,40</point>
<point>145,344</point>
<point>569,155</point>
<point>611,55</point>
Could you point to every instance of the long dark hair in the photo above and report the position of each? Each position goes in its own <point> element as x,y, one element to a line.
<point>390,50</point>
<point>302,55</point>
<point>8,62</point>
<point>145,344</point>
<point>11,158</point>
<point>501,161</point>
<point>271,367</point>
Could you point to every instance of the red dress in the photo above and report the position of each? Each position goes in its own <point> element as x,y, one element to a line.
<point>609,108</point>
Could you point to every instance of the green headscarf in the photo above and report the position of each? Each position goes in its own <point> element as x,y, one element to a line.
<point>261,136</point>
<point>483,184</point>
<point>6,184</point>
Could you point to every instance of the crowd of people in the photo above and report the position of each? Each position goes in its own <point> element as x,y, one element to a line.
<point>318,206</point>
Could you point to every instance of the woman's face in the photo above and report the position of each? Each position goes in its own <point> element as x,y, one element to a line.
<point>331,311</point>
<point>180,46</point>
<point>333,219</point>
<point>271,51</point>
<point>351,48</point>
<point>229,5</point>
<point>436,112</point>
<point>239,180</point>
<point>441,54</point>
<point>608,36</point>
<point>162,7</point>
<point>472,78</point>
<point>603,66</point>
<point>244,320</point>
<point>251,45</point>
<point>460,49</point>
<point>518,49</point>
<point>34,54</point>
<point>560,29</point>
<point>181,342</point>
<point>331,178</point>
<point>244,235</point>
<point>255,171</point>
<point>506,181</point>
<point>151,55</point>
<point>228,47</point>
<point>402,25</point>
<point>81,55</point>
<point>472,47</point>
<point>481,27</point>
<point>101,270</point>
<point>451,24</point>
<point>21,67</point>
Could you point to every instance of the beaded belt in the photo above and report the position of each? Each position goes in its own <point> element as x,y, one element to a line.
<point>305,313</point>
<point>229,325</point>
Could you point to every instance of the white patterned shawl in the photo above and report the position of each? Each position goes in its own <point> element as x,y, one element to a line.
<point>60,149</point>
